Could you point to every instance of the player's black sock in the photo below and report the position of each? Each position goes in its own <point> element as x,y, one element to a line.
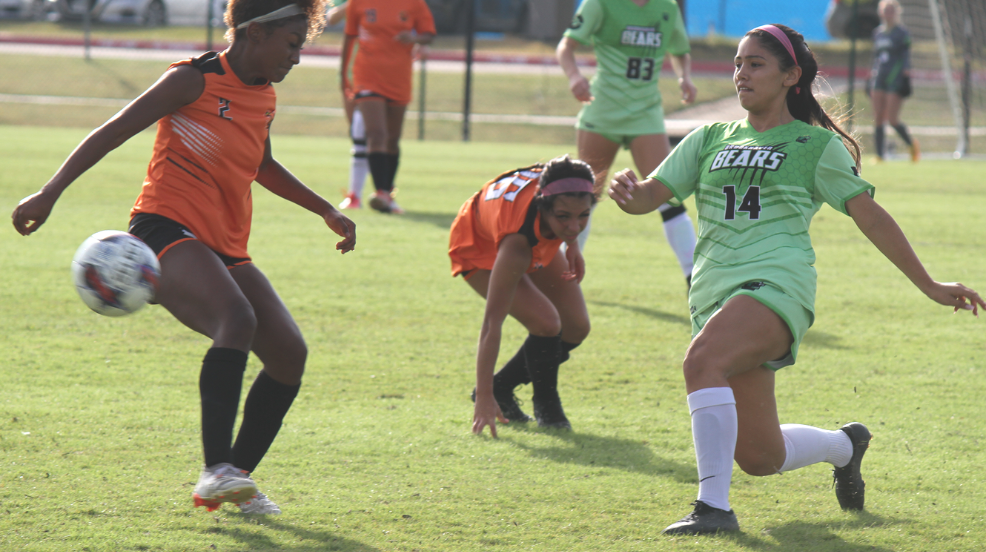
<point>379,169</point>
<point>263,413</point>
<point>219,388</point>
<point>566,348</point>
<point>901,129</point>
<point>542,354</point>
<point>393,160</point>
<point>514,372</point>
<point>878,134</point>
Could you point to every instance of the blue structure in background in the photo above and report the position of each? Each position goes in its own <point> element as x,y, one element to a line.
<point>734,17</point>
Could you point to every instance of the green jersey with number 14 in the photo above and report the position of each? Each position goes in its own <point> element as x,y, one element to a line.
<point>756,193</point>
<point>630,43</point>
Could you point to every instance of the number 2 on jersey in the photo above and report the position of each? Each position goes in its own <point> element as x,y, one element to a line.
<point>750,203</point>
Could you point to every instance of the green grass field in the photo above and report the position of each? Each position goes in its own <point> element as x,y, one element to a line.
<point>99,418</point>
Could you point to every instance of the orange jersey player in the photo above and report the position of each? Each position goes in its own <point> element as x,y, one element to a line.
<point>386,32</point>
<point>505,242</point>
<point>213,141</point>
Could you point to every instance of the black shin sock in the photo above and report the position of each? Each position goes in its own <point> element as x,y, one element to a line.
<point>266,405</point>
<point>566,348</point>
<point>379,169</point>
<point>901,129</point>
<point>542,355</point>
<point>878,139</point>
<point>514,372</point>
<point>219,388</point>
<point>393,159</point>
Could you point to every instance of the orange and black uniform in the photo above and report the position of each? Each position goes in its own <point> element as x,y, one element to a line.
<point>383,66</point>
<point>503,206</point>
<point>206,156</point>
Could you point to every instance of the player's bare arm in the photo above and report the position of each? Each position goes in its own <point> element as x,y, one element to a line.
<point>638,197</point>
<point>178,87</point>
<point>884,232</point>
<point>578,84</point>
<point>682,66</point>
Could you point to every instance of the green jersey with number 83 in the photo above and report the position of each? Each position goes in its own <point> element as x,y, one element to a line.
<point>756,193</point>
<point>630,43</point>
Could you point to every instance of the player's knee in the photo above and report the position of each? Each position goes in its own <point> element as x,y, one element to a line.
<point>758,463</point>
<point>701,362</point>
<point>294,356</point>
<point>239,321</point>
<point>545,325</point>
<point>575,331</point>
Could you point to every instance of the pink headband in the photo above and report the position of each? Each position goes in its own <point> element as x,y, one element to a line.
<point>785,41</point>
<point>567,185</point>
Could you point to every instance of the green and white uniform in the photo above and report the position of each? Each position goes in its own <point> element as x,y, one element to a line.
<point>756,194</point>
<point>630,43</point>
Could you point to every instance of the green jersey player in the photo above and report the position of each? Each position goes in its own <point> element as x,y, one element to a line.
<point>622,105</point>
<point>757,183</point>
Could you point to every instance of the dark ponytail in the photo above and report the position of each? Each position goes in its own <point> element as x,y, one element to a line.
<point>801,100</point>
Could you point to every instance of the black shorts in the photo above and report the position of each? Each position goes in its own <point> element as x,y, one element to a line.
<point>161,233</point>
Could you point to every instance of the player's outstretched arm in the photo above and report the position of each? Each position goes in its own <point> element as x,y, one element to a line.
<point>512,259</point>
<point>177,87</point>
<point>881,229</point>
<point>279,180</point>
<point>638,197</point>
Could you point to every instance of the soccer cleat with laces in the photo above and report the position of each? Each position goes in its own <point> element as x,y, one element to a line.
<point>704,520</point>
<point>261,505</point>
<point>549,413</point>
<point>351,201</point>
<point>509,405</point>
<point>849,484</point>
<point>223,483</point>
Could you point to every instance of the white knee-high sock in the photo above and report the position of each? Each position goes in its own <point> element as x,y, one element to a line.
<point>807,445</point>
<point>681,237</point>
<point>714,428</point>
<point>359,167</point>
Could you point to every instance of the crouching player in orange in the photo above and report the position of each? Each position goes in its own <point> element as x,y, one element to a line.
<point>505,243</point>
<point>213,117</point>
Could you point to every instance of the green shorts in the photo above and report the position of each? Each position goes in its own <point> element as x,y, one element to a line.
<point>791,311</point>
<point>620,128</point>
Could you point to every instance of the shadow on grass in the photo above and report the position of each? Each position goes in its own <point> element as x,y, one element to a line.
<point>652,313</point>
<point>320,540</point>
<point>602,452</point>
<point>441,220</point>
<point>802,536</point>
<point>817,338</point>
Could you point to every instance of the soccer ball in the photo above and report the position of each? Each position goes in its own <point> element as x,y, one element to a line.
<point>115,273</point>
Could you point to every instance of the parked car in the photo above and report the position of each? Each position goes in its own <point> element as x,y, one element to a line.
<point>24,9</point>
<point>151,13</point>
<point>838,18</point>
<point>491,15</point>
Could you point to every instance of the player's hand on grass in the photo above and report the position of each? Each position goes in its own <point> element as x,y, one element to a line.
<point>340,224</point>
<point>688,90</point>
<point>576,263</point>
<point>580,88</point>
<point>486,413</point>
<point>32,212</point>
<point>957,296</point>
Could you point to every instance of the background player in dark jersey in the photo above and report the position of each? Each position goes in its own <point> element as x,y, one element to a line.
<point>505,243</point>
<point>890,80</point>
<point>213,141</point>
<point>753,291</point>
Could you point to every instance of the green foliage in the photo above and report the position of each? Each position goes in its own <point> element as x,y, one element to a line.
<point>99,438</point>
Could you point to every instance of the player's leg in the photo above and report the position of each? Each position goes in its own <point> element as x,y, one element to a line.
<point>878,100</point>
<point>648,152</point>
<point>739,338</point>
<point>540,352</point>
<point>566,296</point>
<point>374,112</point>
<point>395,128</point>
<point>197,289</point>
<point>599,152</point>
<point>894,102</point>
<point>358,165</point>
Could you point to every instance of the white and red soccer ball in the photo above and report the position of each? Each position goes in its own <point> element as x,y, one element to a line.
<point>115,273</point>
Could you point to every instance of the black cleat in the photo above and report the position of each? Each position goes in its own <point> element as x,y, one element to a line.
<point>549,414</point>
<point>509,405</point>
<point>849,484</point>
<point>704,520</point>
